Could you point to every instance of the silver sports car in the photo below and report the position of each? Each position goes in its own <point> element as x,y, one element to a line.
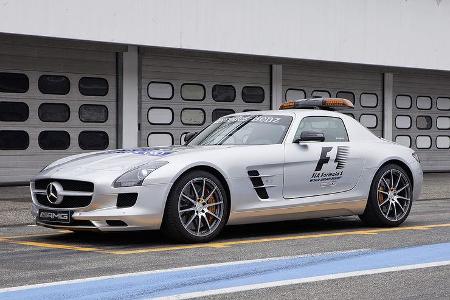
<point>302,161</point>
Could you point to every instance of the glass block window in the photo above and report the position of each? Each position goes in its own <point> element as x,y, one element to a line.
<point>403,122</point>
<point>159,139</point>
<point>54,84</point>
<point>160,115</point>
<point>93,113</point>
<point>14,83</point>
<point>423,142</point>
<point>346,95</point>
<point>294,94</point>
<point>223,93</point>
<point>14,140</point>
<point>193,116</point>
<point>403,101</point>
<point>253,94</point>
<point>193,92</point>
<point>54,112</point>
<point>218,113</point>
<point>160,90</point>
<point>93,140</point>
<point>369,100</point>
<point>404,140</point>
<point>13,111</point>
<point>54,140</point>
<point>423,102</point>
<point>93,86</point>
<point>424,122</point>
<point>368,120</point>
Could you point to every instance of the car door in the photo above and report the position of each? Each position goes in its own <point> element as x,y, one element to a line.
<point>317,168</point>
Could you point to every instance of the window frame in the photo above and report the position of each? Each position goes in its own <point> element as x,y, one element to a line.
<point>53,104</point>
<point>160,82</point>
<point>366,106</point>
<point>53,131</point>
<point>253,86</point>
<point>403,128</point>
<point>160,132</point>
<point>22,74</point>
<point>92,77</point>
<point>161,107</point>
<point>212,113</point>
<point>424,116</point>
<point>192,108</point>
<point>349,92</point>
<point>405,135</point>
<point>437,118</point>
<point>20,103</point>
<point>436,143</point>
<point>15,148</point>
<point>404,95</point>
<point>187,99</point>
<point>423,148</point>
<point>52,75</point>
<point>431,102</point>
<point>92,131</point>
<point>437,106</point>
<point>228,85</point>
<point>294,89</point>
<point>322,91</point>
<point>342,121</point>
<point>376,120</point>
<point>97,122</point>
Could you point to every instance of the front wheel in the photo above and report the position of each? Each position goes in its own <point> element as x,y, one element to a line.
<point>196,209</point>
<point>390,197</point>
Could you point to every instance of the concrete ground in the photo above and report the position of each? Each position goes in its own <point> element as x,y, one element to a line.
<point>32,255</point>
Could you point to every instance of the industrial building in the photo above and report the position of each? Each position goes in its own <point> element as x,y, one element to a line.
<point>87,76</point>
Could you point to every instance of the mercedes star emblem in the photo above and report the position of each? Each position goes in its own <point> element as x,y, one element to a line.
<point>54,193</point>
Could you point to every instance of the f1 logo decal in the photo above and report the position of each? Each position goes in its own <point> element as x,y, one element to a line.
<point>341,157</point>
<point>324,158</point>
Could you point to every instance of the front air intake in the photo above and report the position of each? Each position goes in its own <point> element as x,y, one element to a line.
<point>126,200</point>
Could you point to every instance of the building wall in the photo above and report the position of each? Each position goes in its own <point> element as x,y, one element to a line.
<point>403,33</point>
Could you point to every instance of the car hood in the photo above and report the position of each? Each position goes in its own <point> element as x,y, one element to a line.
<point>120,159</point>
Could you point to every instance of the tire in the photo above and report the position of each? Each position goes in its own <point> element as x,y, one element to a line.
<point>197,208</point>
<point>390,197</point>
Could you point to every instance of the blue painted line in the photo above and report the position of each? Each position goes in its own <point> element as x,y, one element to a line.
<point>233,275</point>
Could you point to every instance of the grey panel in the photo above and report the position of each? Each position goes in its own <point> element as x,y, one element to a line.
<point>36,57</point>
<point>334,78</point>
<point>424,84</point>
<point>182,67</point>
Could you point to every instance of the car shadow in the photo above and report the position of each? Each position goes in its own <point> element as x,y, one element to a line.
<point>136,239</point>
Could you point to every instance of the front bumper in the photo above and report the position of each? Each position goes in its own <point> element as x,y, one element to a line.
<point>103,214</point>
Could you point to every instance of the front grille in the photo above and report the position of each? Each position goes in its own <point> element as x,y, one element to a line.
<point>73,223</point>
<point>68,185</point>
<point>68,201</point>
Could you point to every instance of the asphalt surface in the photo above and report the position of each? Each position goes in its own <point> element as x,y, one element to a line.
<point>31,255</point>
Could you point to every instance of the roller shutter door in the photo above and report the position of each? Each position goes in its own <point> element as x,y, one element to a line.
<point>360,84</point>
<point>56,99</point>
<point>421,117</point>
<point>184,92</point>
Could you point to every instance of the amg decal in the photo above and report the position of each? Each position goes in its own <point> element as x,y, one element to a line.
<point>340,160</point>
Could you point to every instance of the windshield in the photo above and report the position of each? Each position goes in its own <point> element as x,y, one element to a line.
<point>244,130</point>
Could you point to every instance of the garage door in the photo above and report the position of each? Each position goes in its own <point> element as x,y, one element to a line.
<point>184,92</point>
<point>56,99</point>
<point>422,117</point>
<point>360,84</point>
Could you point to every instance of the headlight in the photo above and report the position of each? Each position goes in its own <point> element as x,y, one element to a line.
<point>137,175</point>
<point>416,156</point>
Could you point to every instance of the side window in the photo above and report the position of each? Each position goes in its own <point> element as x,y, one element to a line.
<point>333,128</point>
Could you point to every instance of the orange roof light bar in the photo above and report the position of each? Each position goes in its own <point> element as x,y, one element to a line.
<point>318,103</point>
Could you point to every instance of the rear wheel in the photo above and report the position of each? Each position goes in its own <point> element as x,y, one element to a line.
<point>390,197</point>
<point>196,209</point>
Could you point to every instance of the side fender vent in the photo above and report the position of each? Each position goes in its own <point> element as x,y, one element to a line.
<point>258,184</point>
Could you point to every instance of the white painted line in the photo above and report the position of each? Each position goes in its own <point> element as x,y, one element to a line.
<point>239,262</point>
<point>304,280</point>
<point>32,225</point>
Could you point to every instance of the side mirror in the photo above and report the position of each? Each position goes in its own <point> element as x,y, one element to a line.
<point>189,136</point>
<point>310,136</point>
